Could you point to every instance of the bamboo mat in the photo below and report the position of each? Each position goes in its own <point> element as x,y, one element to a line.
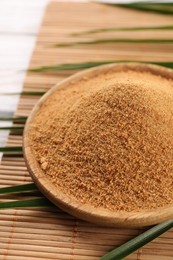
<point>49,233</point>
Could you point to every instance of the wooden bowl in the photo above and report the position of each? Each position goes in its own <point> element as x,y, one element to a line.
<point>87,212</point>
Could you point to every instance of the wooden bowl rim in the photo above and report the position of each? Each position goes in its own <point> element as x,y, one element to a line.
<point>87,212</point>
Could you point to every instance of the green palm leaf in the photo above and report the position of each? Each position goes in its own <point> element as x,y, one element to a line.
<point>11,149</point>
<point>72,66</point>
<point>164,8</point>
<point>14,119</point>
<point>86,65</point>
<point>15,128</point>
<point>107,41</point>
<point>18,188</point>
<point>43,202</point>
<point>25,93</point>
<point>137,242</point>
<point>13,155</point>
<point>143,28</point>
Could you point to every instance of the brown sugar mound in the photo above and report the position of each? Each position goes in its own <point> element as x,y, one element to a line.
<point>108,140</point>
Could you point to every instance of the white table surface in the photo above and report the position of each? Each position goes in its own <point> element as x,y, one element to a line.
<point>19,24</point>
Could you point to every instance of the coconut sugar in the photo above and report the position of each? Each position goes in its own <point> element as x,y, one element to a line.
<point>107,141</point>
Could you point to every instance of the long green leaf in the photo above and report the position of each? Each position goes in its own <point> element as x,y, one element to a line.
<point>112,29</point>
<point>11,149</point>
<point>156,8</point>
<point>72,66</point>
<point>25,93</point>
<point>15,128</point>
<point>43,202</point>
<point>14,119</point>
<point>13,155</point>
<point>86,65</point>
<point>18,188</point>
<point>137,242</point>
<point>107,41</point>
